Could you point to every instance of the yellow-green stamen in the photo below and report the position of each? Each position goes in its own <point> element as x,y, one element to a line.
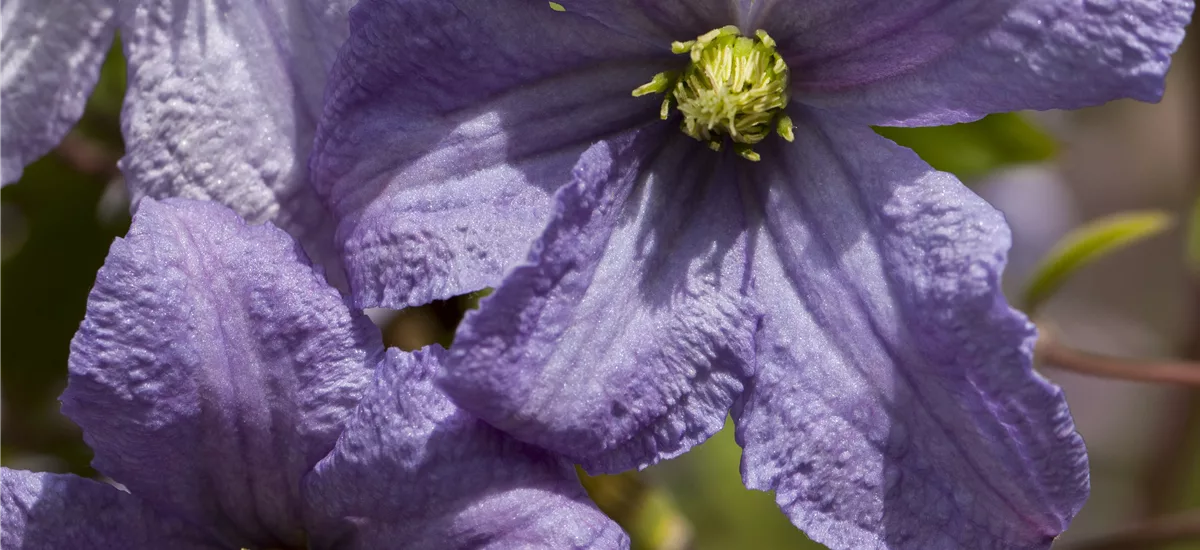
<point>734,86</point>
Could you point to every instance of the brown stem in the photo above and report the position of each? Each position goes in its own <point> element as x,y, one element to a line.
<point>1160,530</point>
<point>1053,353</point>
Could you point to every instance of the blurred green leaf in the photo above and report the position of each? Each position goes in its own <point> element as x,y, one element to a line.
<point>46,284</point>
<point>706,482</point>
<point>644,510</point>
<point>973,149</point>
<point>471,300</point>
<point>1087,244</point>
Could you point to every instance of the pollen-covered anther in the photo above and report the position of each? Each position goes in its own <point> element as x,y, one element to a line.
<point>734,86</point>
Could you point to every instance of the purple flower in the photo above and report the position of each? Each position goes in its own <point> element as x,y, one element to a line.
<point>222,101</point>
<point>243,405</point>
<point>838,296</point>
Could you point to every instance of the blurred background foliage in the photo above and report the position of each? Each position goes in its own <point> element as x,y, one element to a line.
<point>970,151</point>
<point>59,220</point>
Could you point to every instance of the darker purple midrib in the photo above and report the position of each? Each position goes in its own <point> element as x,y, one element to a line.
<point>238,389</point>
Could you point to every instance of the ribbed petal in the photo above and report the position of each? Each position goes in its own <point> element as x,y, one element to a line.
<point>933,62</point>
<point>223,102</point>
<point>627,334</point>
<point>449,125</point>
<point>52,55</point>
<point>658,22</point>
<point>895,405</point>
<point>44,511</point>
<point>840,44</point>
<point>412,468</point>
<point>214,368</point>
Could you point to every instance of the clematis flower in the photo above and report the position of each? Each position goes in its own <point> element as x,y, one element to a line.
<point>222,100</point>
<point>823,285</point>
<point>243,405</point>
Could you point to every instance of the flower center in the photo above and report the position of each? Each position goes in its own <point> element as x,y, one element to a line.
<point>734,86</point>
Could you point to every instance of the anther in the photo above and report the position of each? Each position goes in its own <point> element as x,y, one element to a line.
<point>734,87</point>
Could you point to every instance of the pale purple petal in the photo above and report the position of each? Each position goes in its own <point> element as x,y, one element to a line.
<point>947,65</point>
<point>840,44</point>
<point>413,467</point>
<point>52,55</point>
<point>442,143</point>
<point>44,511</point>
<point>223,102</point>
<point>895,405</point>
<point>657,22</point>
<point>214,368</point>
<point>627,334</point>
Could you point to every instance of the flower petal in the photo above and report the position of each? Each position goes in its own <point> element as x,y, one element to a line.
<point>965,59</point>
<point>223,102</point>
<point>441,145</point>
<point>51,61</point>
<point>895,405</point>
<point>412,466</point>
<point>658,22</point>
<point>214,368</point>
<point>839,44</point>
<point>627,334</point>
<point>49,511</point>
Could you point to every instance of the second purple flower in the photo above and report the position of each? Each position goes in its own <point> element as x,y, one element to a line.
<point>823,285</point>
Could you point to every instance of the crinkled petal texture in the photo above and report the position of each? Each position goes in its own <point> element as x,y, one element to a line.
<point>931,62</point>
<point>441,145</point>
<point>628,332</point>
<point>413,467</point>
<point>214,368</point>
<point>52,55</point>
<point>44,511</point>
<point>223,102</point>
<point>895,405</point>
